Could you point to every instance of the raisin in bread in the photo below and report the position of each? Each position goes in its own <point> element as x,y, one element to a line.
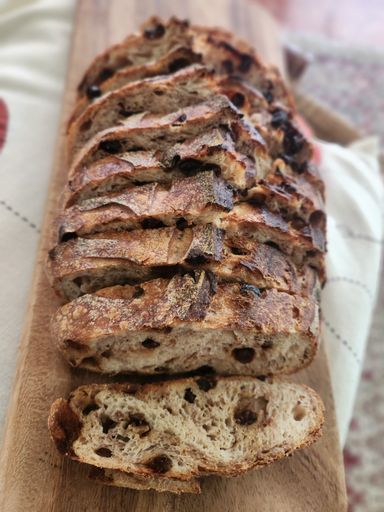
<point>167,435</point>
<point>180,324</point>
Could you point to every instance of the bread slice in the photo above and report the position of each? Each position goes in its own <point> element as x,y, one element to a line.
<point>201,199</point>
<point>117,478</point>
<point>149,206</point>
<point>84,265</point>
<point>177,431</point>
<point>158,95</point>
<point>180,324</point>
<point>219,49</point>
<point>293,195</point>
<point>145,132</point>
<point>154,40</point>
<point>178,57</point>
<point>305,245</point>
<point>274,122</point>
<point>213,149</point>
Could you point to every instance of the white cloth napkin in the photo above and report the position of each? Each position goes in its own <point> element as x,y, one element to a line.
<point>355,198</point>
<point>34,41</point>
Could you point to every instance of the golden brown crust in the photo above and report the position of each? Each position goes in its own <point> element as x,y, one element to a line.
<point>111,258</point>
<point>64,426</point>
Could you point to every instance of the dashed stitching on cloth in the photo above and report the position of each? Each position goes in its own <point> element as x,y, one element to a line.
<point>344,342</point>
<point>350,280</point>
<point>348,233</point>
<point>21,217</point>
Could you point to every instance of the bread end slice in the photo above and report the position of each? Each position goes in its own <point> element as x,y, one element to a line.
<point>118,478</point>
<point>167,434</point>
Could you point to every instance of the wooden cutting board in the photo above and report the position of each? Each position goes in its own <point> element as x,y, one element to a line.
<point>33,477</point>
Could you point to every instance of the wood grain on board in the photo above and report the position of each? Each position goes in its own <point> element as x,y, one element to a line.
<point>33,476</point>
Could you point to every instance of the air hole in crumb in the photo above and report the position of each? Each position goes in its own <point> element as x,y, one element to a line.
<point>152,223</point>
<point>89,408</point>
<point>238,251</point>
<point>272,244</point>
<point>138,420</point>
<point>243,355</point>
<point>298,223</point>
<point>189,396</point>
<point>238,99</point>
<point>103,452</point>
<point>159,92</point>
<point>181,119</point>
<point>299,412</point>
<point>228,66</point>
<point>86,126</point>
<point>250,289</point>
<point>258,199</point>
<point>181,223</point>
<point>106,353</point>
<point>245,63</point>
<point>161,369</point>
<point>76,345</point>
<point>251,410</point>
<point>198,259</point>
<point>267,344</point>
<point>178,64</point>
<point>107,424</point>
<point>89,361</point>
<point>150,343</point>
<point>155,32</point>
<point>245,417</point>
<point>317,219</point>
<point>66,236</point>
<point>125,439</point>
<point>295,312</point>
<point>159,464</point>
<point>111,146</point>
<point>139,291</point>
<point>206,383</point>
<point>205,370</point>
<point>189,166</point>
